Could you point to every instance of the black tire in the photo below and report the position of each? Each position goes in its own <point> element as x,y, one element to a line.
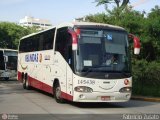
<point>26,83</point>
<point>57,94</point>
<point>28,87</point>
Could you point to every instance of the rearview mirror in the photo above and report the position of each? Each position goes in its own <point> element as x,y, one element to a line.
<point>136,44</point>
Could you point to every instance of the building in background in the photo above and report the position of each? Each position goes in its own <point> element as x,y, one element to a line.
<point>29,21</point>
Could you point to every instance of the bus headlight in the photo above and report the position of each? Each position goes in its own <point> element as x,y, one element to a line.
<point>83,89</point>
<point>125,90</point>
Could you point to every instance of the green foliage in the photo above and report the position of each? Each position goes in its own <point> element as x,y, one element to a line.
<point>147,28</point>
<point>146,80</point>
<point>10,34</point>
<point>153,30</point>
<point>146,66</point>
<point>99,17</point>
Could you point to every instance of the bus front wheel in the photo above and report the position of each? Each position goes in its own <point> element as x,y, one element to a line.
<point>24,82</point>
<point>57,94</point>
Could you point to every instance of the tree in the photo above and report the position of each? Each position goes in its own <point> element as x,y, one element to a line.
<point>120,5</point>
<point>10,34</point>
<point>131,20</point>
<point>146,66</point>
<point>152,30</point>
<point>99,17</point>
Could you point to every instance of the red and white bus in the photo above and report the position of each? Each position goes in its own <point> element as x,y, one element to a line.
<point>78,61</point>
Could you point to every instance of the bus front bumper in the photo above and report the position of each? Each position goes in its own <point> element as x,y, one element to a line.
<point>101,97</point>
<point>8,74</point>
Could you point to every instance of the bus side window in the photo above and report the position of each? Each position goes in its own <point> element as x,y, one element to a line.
<point>48,39</point>
<point>68,48</point>
<point>64,44</point>
<point>69,55</point>
<point>61,40</point>
<point>39,42</point>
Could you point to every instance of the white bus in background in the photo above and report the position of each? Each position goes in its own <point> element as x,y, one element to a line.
<point>8,63</point>
<point>78,61</point>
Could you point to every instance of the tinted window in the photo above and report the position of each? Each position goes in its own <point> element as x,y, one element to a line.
<point>103,50</point>
<point>12,59</point>
<point>62,39</point>
<point>47,39</point>
<point>42,41</point>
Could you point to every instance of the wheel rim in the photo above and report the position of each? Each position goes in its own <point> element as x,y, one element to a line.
<point>23,81</point>
<point>58,92</point>
<point>27,82</point>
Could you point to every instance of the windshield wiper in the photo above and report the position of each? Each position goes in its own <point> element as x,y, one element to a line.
<point>125,73</point>
<point>91,69</point>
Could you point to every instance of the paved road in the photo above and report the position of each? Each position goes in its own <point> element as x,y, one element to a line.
<point>15,100</point>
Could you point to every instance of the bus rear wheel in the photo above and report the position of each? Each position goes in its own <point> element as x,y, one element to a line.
<point>26,83</point>
<point>28,87</point>
<point>57,94</point>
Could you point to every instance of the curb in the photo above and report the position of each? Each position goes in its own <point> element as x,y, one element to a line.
<point>149,99</point>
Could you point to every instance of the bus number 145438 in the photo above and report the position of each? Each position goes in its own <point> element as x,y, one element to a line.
<point>84,82</point>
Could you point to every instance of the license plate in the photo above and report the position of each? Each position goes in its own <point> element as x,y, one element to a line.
<point>105,98</point>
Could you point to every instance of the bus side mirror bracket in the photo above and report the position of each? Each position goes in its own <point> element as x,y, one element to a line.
<point>74,40</point>
<point>136,44</point>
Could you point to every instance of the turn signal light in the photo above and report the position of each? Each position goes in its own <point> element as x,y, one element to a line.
<point>126,82</point>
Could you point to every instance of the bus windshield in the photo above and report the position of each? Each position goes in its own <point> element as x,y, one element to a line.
<point>102,51</point>
<point>12,60</point>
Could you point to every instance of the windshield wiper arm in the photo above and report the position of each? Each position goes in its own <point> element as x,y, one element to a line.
<point>90,69</point>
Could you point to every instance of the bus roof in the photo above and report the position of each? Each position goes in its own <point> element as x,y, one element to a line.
<point>79,24</point>
<point>8,49</point>
<point>89,24</point>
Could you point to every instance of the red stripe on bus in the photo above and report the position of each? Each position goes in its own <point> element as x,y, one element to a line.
<point>44,87</point>
<point>66,96</point>
<point>19,74</point>
<point>40,85</point>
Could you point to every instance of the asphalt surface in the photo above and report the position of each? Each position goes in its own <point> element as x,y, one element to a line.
<point>17,103</point>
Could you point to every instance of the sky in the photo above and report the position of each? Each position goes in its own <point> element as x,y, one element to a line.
<point>58,11</point>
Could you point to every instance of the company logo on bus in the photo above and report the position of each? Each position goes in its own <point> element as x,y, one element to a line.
<point>35,57</point>
<point>47,57</point>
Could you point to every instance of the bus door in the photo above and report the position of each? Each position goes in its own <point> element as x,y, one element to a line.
<point>63,46</point>
<point>69,60</point>
<point>66,47</point>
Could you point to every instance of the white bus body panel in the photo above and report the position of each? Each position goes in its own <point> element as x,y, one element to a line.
<point>101,88</point>
<point>40,69</point>
<point>51,66</point>
<point>54,66</point>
